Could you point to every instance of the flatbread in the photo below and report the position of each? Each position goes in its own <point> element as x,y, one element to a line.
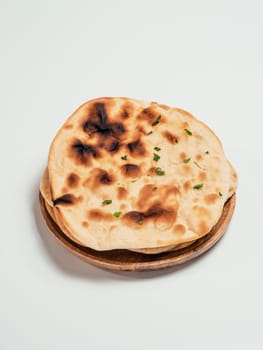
<point>53,212</point>
<point>105,152</point>
<point>162,249</point>
<point>45,188</point>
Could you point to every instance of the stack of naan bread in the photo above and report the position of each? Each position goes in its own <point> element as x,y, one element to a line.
<point>142,176</point>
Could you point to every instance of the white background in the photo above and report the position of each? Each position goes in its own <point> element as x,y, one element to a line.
<point>204,56</point>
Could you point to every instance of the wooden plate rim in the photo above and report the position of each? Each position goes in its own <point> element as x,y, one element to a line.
<point>121,259</point>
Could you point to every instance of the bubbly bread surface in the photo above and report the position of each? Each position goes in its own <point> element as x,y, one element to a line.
<point>128,174</point>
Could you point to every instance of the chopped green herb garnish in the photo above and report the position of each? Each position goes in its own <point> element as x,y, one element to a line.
<point>198,186</point>
<point>188,132</point>
<point>156,121</point>
<point>140,222</point>
<point>157,149</point>
<point>159,171</point>
<point>117,214</point>
<point>149,133</point>
<point>154,188</point>
<point>124,157</point>
<point>197,165</point>
<point>187,160</point>
<point>118,183</point>
<point>107,201</point>
<point>220,194</point>
<point>207,152</point>
<point>134,180</point>
<point>156,157</point>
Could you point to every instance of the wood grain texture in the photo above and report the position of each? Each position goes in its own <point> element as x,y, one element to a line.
<point>121,259</point>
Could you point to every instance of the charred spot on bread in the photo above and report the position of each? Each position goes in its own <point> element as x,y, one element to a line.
<point>148,114</point>
<point>81,149</point>
<point>109,144</point>
<point>73,180</point>
<point>151,171</point>
<point>151,215</point>
<point>114,146</point>
<point>136,148</point>
<point>83,153</point>
<point>140,130</point>
<point>117,128</point>
<point>98,123</point>
<point>98,177</point>
<point>164,194</point>
<point>171,138</point>
<point>130,170</point>
<point>104,177</point>
<point>124,114</point>
<point>66,199</point>
<point>126,110</point>
<point>108,134</point>
<point>133,217</point>
<point>146,196</point>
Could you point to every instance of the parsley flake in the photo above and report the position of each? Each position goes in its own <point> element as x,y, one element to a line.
<point>156,121</point>
<point>157,149</point>
<point>156,157</point>
<point>207,152</point>
<point>124,157</point>
<point>159,171</point>
<point>187,160</point>
<point>117,214</point>
<point>140,222</point>
<point>220,194</point>
<point>149,133</point>
<point>188,132</point>
<point>107,201</point>
<point>198,186</point>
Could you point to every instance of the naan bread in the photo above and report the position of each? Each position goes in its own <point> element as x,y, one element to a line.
<point>45,188</point>
<point>53,212</point>
<point>134,175</point>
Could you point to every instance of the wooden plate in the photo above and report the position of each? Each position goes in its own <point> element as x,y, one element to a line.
<point>121,259</point>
